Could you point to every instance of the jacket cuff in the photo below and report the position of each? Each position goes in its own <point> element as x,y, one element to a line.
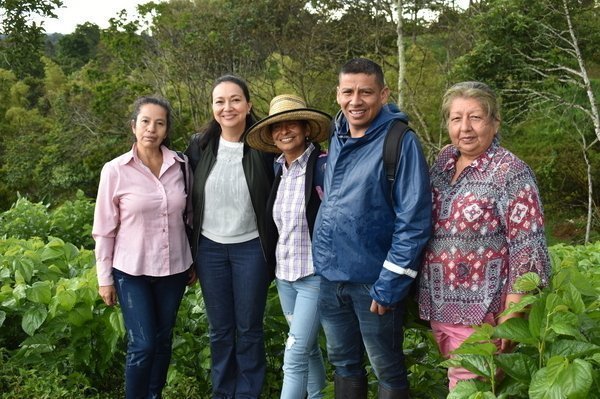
<point>399,270</point>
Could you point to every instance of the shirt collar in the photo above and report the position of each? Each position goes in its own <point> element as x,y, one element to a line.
<point>302,160</point>
<point>480,163</point>
<point>169,157</point>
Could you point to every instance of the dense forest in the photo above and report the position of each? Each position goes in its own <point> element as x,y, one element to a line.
<point>64,99</point>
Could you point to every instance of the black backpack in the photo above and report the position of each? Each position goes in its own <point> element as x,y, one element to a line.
<point>392,148</point>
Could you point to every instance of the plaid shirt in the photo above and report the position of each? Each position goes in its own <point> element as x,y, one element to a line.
<point>293,252</point>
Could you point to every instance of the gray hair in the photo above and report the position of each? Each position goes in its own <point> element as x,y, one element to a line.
<point>475,90</point>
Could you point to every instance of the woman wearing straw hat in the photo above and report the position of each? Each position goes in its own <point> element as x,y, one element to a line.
<point>295,131</point>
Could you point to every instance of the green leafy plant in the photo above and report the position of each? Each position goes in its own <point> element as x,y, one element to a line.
<point>54,326</point>
<point>71,221</point>
<point>50,291</point>
<point>558,343</point>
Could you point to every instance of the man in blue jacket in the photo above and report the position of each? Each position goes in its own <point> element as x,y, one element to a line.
<point>369,236</point>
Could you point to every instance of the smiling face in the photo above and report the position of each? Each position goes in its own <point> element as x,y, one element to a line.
<point>470,128</point>
<point>290,138</point>
<point>361,98</point>
<point>150,126</point>
<point>230,107</point>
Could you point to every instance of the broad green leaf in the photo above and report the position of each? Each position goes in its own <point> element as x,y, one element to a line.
<point>566,323</point>
<point>66,299</point>
<point>561,379</point>
<point>572,299</point>
<point>483,349</point>
<point>527,282</point>
<point>477,364</point>
<point>33,319</point>
<point>25,268</point>
<point>520,306</point>
<point>515,329</point>
<point>71,252</point>
<point>576,380</point>
<point>19,292</point>
<point>537,317</point>
<point>79,315</point>
<point>518,365</point>
<point>2,317</point>
<point>582,284</point>
<point>52,252</point>
<point>483,332</point>
<point>116,322</point>
<point>471,389</point>
<point>4,273</point>
<point>40,292</point>
<point>55,269</point>
<point>571,349</point>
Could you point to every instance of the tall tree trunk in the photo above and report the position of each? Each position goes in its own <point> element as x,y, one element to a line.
<point>583,73</point>
<point>401,59</point>
<point>593,112</point>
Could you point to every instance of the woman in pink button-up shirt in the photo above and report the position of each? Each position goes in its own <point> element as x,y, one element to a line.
<point>143,257</point>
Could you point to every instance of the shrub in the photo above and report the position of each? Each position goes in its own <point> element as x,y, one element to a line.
<point>70,221</point>
<point>558,344</point>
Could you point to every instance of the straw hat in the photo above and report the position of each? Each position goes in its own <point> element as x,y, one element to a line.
<point>287,107</point>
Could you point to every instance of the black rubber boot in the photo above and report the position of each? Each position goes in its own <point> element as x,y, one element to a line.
<point>350,387</point>
<point>389,393</point>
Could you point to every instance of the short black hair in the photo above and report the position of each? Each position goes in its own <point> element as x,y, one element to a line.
<point>366,66</point>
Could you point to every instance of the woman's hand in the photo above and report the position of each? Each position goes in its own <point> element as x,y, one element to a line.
<point>108,294</point>
<point>505,344</point>
<point>192,276</point>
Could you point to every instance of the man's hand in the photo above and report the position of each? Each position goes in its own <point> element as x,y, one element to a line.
<point>379,309</point>
<point>108,294</point>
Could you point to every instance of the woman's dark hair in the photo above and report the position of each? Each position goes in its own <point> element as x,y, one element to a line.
<point>161,102</point>
<point>212,129</point>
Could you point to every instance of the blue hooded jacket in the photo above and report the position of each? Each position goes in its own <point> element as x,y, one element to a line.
<point>362,233</point>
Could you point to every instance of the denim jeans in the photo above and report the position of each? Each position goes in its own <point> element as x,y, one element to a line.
<point>302,362</point>
<point>234,279</point>
<point>149,306</point>
<point>351,328</point>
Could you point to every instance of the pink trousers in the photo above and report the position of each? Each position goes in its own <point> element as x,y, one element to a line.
<point>449,337</point>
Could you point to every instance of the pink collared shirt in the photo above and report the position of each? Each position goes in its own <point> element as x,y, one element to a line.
<point>138,220</point>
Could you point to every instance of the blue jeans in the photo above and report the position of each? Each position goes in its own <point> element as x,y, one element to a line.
<point>350,329</point>
<point>149,306</point>
<point>302,362</point>
<point>234,279</point>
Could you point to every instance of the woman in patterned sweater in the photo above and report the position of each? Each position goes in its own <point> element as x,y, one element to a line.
<point>488,225</point>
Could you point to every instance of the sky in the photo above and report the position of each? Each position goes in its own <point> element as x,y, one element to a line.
<point>77,12</point>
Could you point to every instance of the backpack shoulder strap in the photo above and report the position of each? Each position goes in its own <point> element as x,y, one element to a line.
<point>392,146</point>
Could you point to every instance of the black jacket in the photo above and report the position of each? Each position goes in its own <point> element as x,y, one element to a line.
<point>258,169</point>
